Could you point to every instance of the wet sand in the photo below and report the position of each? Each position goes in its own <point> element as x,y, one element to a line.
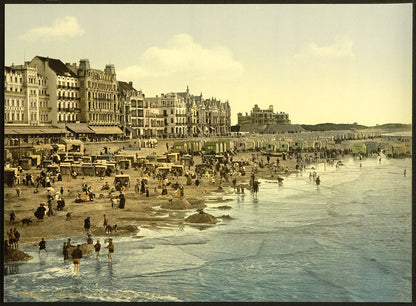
<point>139,210</point>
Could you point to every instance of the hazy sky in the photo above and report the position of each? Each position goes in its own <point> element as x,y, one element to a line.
<point>319,63</point>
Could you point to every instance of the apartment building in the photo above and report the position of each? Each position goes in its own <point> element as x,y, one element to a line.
<point>61,83</point>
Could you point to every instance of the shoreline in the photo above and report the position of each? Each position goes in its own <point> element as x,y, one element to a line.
<point>139,211</point>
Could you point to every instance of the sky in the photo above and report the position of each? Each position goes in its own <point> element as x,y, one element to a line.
<point>339,63</point>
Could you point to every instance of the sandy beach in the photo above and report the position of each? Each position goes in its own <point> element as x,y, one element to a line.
<point>139,210</point>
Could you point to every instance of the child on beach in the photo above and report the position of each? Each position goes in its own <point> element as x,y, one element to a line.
<point>42,246</point>
<point>110,248</point>
<point>97,248</point>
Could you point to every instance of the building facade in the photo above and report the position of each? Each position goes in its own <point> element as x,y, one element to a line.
<point>61,84</point>
<point>133,109</point>
<point>90,103</point>
<point>99,95</point>
<point>263,117</point>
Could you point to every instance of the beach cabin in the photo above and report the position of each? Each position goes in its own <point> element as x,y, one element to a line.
<point>161,159</point>
<point>212,147</point>
<point>299,145</point>
<point>173,157</point>
<point>130,157</point>
<point>77,167</point>
<point>36,160</point>
<point>164,170</point>
<point>240,145</point>
<point>250,145</point>
<point>272,147</point>
<point>187,160</point>
<point>88,169</point>
<point>11,176</point>
<point>151,158</point>
<point>25,163</point>
<point>358,148</point>
<point>283,146</point>
<point>106,157</point>
<point>177,170</point>
<point>372,147</point>
<point>124,180</point>
<point>110,168</point>
<point>57,147</point>
<point>73,145</point>
<point>229,145</point>
<point>180,147</point>
<point>65,168</point>
<point>100,170</point>
<point>119,157</point>
<point>194,146</point>
<point>124,164</point>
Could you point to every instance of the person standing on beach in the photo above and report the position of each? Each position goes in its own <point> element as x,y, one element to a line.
<point>97,248</point>
<point>87,224</point>
<point>65,251</point>
<point>110,248</point>
<point>42,245</point>
<point>76,258</point>
<point>13,214</point>
<point>105,222</point>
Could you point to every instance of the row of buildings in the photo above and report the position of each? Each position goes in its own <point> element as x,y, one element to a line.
<point>47,95</point>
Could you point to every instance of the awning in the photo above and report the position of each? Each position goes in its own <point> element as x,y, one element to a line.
<point>72,141</point>
<point>32,130</point>
<point>106,130</point>
<point>79,128</point>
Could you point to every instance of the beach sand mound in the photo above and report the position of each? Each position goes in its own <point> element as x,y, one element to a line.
<point>183,204</point>
<point>16,255</point>
<point>202,217</point>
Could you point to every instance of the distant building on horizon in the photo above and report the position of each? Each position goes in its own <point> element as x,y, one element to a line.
<point>266,121</point>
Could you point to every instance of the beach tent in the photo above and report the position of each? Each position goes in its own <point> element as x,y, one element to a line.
<point>359,148</point>
<point>88,169</point>
<point>100,169</point>
<point>124,164</point>
<point>180,147</point>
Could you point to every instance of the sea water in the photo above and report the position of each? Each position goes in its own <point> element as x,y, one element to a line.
<point>347,240</point>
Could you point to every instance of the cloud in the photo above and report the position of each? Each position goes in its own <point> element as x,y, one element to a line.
<point>66,27</point>
<point>183,57</point>
<point>340,48</point>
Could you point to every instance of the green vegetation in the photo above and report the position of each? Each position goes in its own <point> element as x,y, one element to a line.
<point>353,126</point>
<point>333,126</point>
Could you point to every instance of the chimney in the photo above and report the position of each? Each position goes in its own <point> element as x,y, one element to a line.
<point>131,83</point>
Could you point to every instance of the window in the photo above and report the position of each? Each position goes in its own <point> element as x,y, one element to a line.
<point>171,120</point>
